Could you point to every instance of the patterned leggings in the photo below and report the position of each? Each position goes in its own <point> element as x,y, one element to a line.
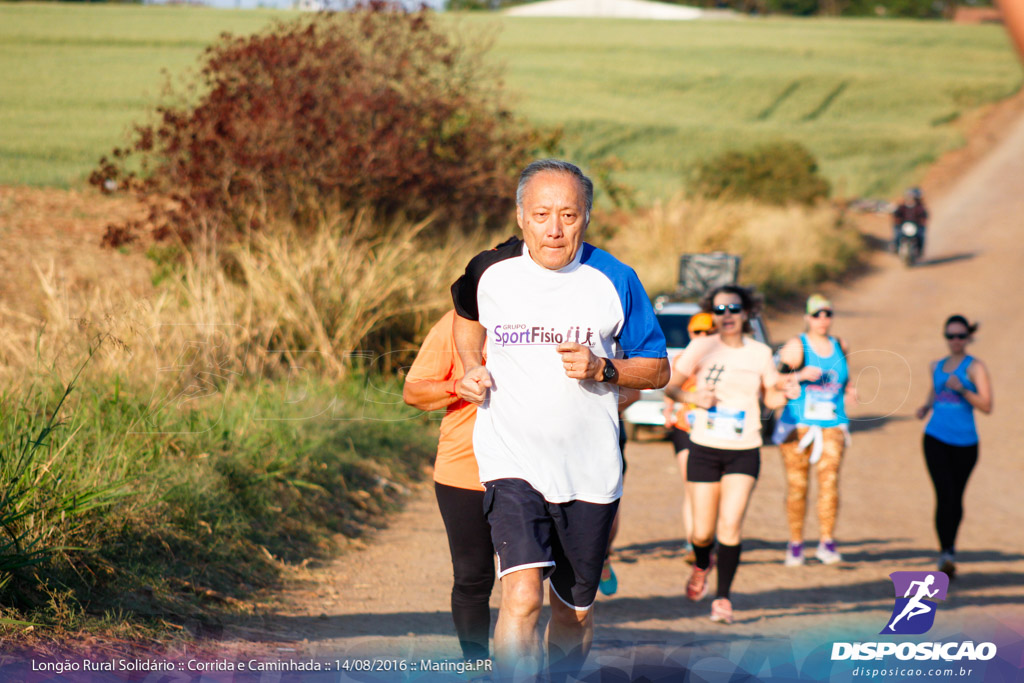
<point>797,466</point>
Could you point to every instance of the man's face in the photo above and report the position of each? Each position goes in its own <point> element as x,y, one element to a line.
<point>553,218</point>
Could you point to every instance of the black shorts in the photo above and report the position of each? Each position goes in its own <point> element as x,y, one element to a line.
<point>567,541</point>
<point>680,439</point>
<point>707,464</point>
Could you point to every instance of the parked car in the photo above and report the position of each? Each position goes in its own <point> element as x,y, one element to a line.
<point>674,318</point>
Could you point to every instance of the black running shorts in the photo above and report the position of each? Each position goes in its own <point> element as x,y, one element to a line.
<point>680,439</point>
<point>567,541</point>
<point>707,464</point>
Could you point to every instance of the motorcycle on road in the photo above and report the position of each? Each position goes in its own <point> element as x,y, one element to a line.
<point>909,243</point>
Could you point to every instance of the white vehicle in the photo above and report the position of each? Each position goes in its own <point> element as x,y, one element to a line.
<point>674,317</point>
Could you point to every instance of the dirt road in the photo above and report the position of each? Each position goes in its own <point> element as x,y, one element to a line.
<point>391,598</point>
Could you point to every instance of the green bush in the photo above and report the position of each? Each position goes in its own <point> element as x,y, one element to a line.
<point>916,9</point>
<point>776,173</point>
<point>747,6</point>
<point>800,8</point>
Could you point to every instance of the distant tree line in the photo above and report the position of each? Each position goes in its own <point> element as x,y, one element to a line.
<point>116,2</point>
<point>919,9</point>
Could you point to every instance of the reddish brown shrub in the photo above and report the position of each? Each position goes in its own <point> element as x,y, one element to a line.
<point>371,108</point>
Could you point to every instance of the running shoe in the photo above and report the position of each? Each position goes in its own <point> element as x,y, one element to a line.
<point>827,552</point>
<point>794,554</point>
<point>609,583</point>
<point>689,557</point>
<point>721,611</point>
<point>946,564</point>
<point>697,586</point>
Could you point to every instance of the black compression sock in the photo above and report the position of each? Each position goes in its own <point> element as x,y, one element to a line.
<point>728,561</point>
<point>703,554</point>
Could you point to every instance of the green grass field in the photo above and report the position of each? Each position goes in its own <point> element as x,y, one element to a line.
<point>73,79</point>
<point>874,100</point>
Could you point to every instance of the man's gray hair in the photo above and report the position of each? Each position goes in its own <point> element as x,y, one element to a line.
<point>586,184</point>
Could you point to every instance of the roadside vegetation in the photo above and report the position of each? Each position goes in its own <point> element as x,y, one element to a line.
<point>172,443</point>
<point>171,448</point>
<point>374,110</point>
<point>784,250</point>
<point>132,511</point>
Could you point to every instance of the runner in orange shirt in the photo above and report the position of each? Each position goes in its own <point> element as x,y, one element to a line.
<point>432,384</point>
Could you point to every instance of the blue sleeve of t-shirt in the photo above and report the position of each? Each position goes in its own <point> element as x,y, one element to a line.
<point>641,335</point>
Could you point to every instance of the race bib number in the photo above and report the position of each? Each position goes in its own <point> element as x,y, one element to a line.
<point>726,423</point>
<point>820,405</point>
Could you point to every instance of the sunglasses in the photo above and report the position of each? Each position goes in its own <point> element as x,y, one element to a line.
<point>821,312</point>
<point>722,309</point>
<point>700,333</point>
<point>959,335</point>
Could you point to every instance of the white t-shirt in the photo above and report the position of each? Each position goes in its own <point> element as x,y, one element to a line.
<point>735,375</point>
<point>557,433</point>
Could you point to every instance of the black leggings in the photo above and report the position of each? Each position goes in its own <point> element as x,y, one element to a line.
<point>950,467</point>
<point>469,540</point>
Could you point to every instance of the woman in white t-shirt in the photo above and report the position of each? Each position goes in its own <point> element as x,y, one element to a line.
<point>733,372</point>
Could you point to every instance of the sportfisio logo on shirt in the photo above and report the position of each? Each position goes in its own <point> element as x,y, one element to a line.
<point>521,334</point>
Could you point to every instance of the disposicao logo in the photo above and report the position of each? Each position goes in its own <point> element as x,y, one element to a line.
<point>916,593</point>
<point>914,614</point>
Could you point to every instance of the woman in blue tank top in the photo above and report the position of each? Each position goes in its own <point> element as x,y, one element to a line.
<point>960,383</point>
<point>813,428</point>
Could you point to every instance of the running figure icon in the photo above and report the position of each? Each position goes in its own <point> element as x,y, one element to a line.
<point>917,595</point>
<point>915,607</point>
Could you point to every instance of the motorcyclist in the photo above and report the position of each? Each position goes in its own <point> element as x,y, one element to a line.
<point>912,209</point>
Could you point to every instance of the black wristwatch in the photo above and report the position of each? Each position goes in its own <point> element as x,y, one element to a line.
<point>609,373</point>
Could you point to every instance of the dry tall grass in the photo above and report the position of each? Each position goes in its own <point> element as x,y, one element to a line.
<point>784,248</point>
<point>323,301</point>
<point>352,288</point>
<point>282,301</point>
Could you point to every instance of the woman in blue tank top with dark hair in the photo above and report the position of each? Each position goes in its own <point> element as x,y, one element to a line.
<point>960,383</point>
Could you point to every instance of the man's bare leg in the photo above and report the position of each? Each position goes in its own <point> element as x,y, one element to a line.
<point>569,635</point>
<point>517,650</point>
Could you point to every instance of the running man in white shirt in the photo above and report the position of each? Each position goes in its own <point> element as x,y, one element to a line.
<point>566,324</point>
